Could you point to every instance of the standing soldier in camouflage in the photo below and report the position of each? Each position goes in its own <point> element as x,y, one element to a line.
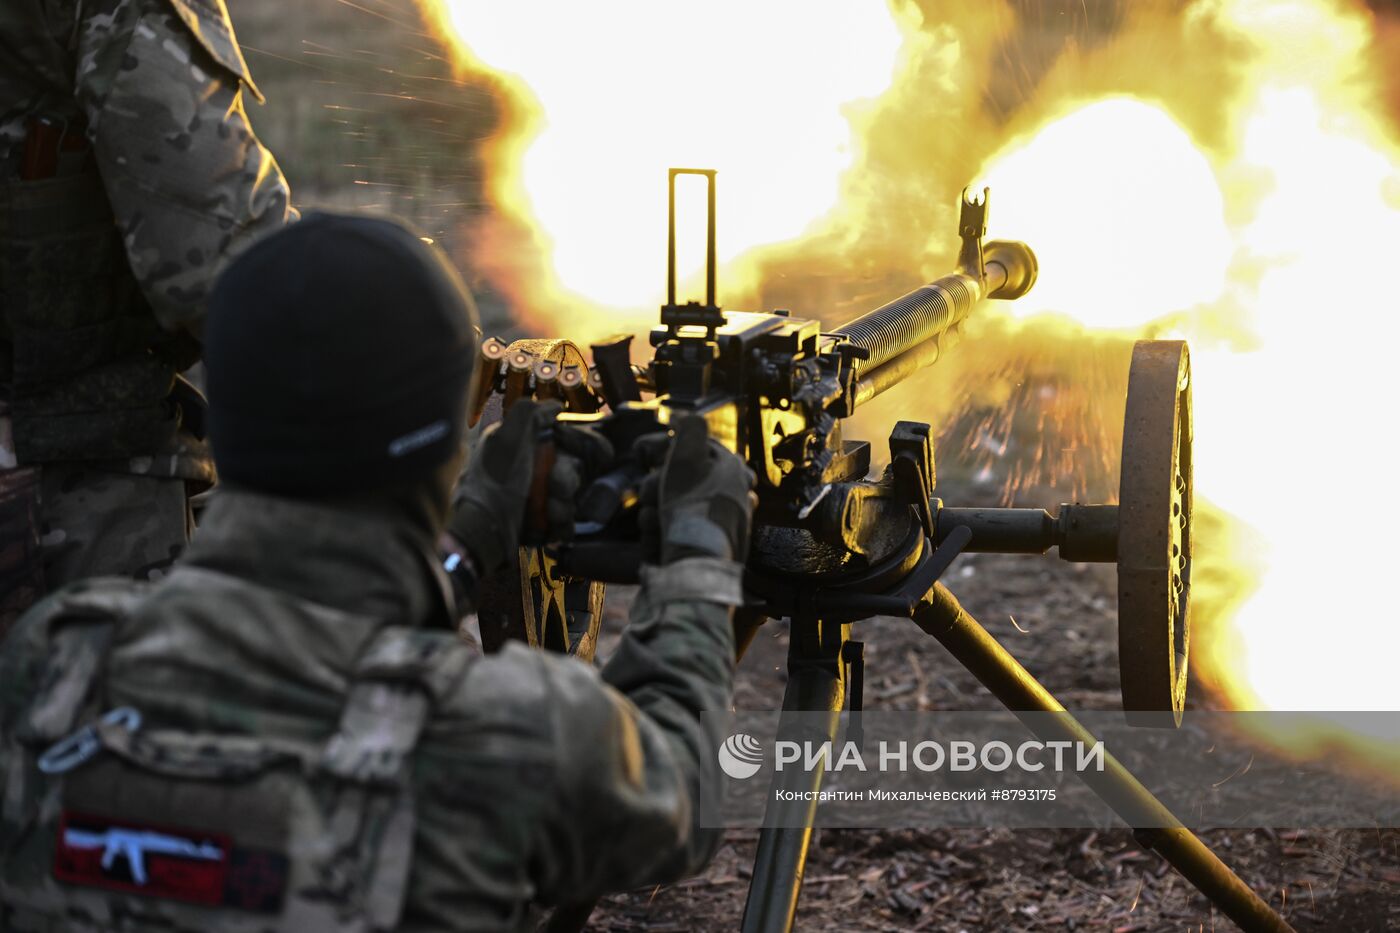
<point>128,174</point>
<point>285,733</point>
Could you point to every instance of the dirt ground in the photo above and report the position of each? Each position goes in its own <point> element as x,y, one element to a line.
<point>997,879</point>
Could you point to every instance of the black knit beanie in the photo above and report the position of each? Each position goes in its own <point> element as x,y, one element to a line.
<point>339,354</point>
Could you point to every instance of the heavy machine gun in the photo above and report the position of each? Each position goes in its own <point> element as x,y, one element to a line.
<point>833,546</point>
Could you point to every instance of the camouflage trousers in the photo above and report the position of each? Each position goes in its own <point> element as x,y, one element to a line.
<point>66,522</point>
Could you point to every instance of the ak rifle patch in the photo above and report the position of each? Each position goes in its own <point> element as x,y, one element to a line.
<point>167,862</point>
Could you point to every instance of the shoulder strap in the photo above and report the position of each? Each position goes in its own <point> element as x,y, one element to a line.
<point>77,626</point>
<point>399,677</point>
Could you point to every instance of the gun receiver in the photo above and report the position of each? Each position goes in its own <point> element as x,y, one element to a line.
<point>774,389</point>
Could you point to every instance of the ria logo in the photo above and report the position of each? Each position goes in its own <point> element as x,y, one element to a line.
<point>741,756</point>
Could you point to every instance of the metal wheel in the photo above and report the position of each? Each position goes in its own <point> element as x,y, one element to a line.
<point>1154,534</point>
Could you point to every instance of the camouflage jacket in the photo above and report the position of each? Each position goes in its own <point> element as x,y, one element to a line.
<point>157,86</point>
<point>536,778</point>
<point>116,219</point>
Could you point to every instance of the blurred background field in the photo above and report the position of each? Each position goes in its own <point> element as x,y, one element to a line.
<point>364,112</point>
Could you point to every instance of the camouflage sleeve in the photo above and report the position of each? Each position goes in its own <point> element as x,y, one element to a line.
<point>49,658</point>
<point>675,661</point>
<point>22,653</point>
<point>21,658</point>
<point>161,83</point>
<point>580,784</point>
<point>630,808</point>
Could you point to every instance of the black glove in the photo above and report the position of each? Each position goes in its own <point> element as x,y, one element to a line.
<point>580,455</point>
<point>700,503</point>
<point>491,501</point>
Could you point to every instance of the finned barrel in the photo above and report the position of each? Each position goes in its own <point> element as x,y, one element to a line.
<point>901,337</point>
<point>927,312</point>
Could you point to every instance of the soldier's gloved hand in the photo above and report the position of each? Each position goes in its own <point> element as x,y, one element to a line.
<point>493,496</point>
<point>580,454</point>
<point>700,503</point>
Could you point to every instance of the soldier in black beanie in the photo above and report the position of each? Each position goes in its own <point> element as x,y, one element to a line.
<point>339,359</point>
<point>340,355</point>
<point>291,709</point>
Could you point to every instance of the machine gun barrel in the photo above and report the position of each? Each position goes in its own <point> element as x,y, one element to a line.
<point>902,336</point>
